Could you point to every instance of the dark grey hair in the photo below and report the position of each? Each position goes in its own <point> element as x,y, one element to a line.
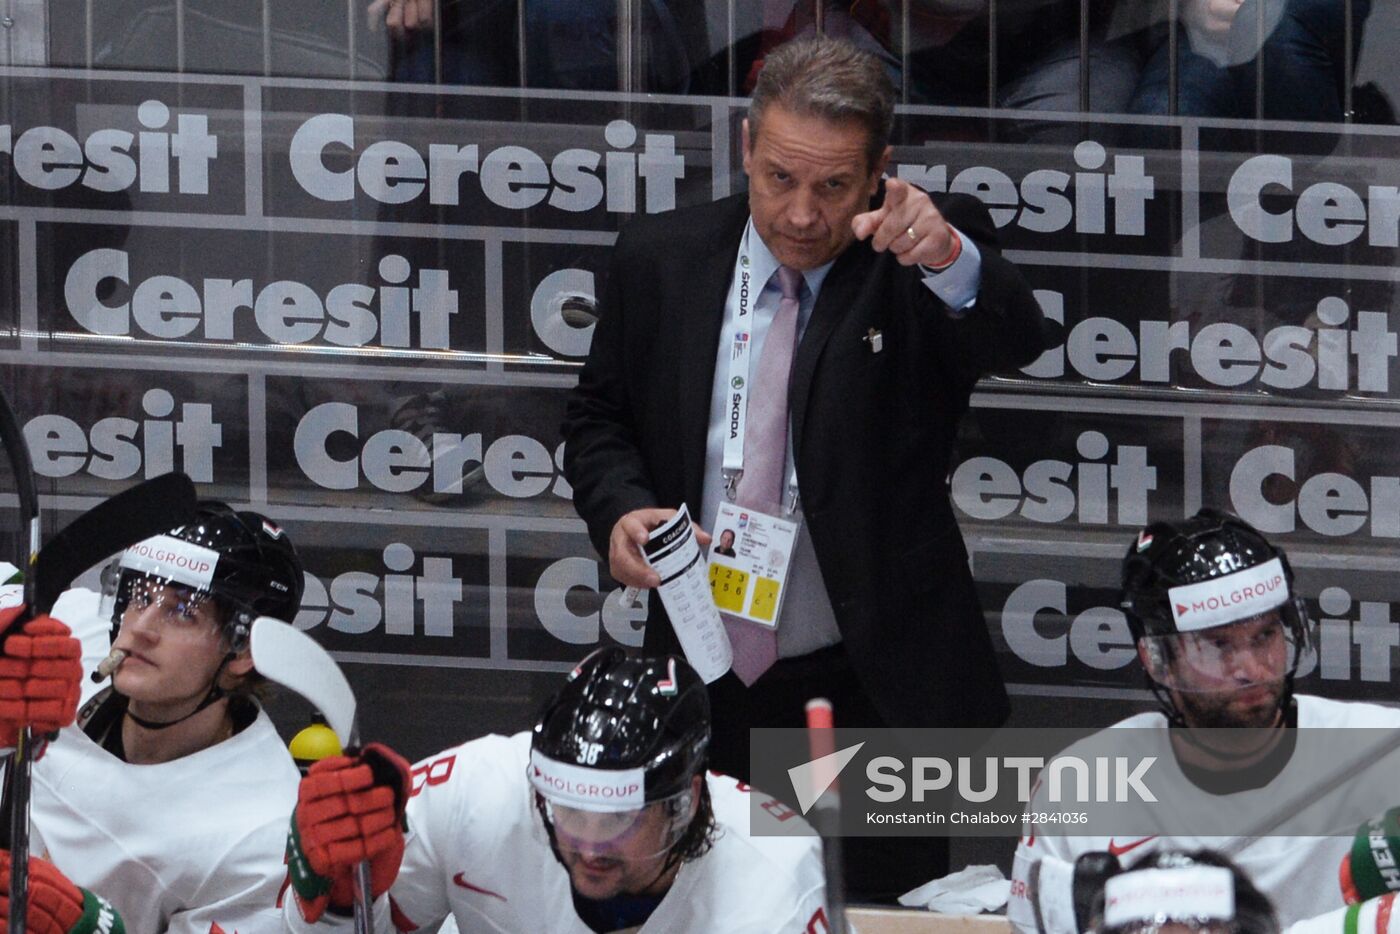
<point>831,79</point>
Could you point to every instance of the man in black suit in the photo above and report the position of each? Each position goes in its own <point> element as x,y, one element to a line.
<point>904,302</point>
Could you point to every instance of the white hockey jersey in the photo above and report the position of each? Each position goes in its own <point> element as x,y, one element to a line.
<point>1299,874</point>
<point>192,846</point>
<point>476,850</point>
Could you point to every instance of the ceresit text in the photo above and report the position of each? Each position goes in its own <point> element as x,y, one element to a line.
<point>1041,201</point>
<point>397,461</point>
<point>1289,356</point>
<point>117,448</point>
<point>1327,213</point>
<point>1054,490</point>
<point>351,314</point>
<point>513,177</point>
<point>109,159</point>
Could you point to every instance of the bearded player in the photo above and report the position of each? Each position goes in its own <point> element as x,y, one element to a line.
<point>600,819</point>
<point>1220,634</point>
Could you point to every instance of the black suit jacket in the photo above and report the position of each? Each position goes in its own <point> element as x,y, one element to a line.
<point>872,436</point>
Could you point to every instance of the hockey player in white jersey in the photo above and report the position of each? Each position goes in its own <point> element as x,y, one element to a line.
<point>1214,662</point>
<point>600,819</point>
<point>170,795</point>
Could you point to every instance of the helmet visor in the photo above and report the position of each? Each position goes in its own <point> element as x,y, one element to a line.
<point>173,574</point>
<point>178,606</point>
<point>1259,650</point>
<point>599,811</point>
<point>640,834</point>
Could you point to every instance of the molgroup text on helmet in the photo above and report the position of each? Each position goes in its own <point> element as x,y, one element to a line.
<point>154,551</point>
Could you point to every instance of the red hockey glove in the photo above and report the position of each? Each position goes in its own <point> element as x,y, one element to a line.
<point>40,675</point>
<point>349,808</point>
<point>56,905</point>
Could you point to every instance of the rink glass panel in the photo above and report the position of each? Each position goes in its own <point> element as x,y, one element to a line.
<point>348,283</point>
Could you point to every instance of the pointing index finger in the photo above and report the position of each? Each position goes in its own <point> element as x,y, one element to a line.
<point>866,223</point>
<point>896,191</point>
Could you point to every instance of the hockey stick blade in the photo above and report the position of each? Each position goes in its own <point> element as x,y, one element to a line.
<point>133,515</point>
<point>290,657</point>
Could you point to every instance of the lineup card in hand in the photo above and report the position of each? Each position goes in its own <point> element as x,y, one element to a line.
<point>749,560</point>
<point>674,554</point>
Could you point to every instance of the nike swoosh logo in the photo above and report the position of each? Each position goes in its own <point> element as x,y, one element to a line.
<point>1117,850</point>
<point>459,880</point>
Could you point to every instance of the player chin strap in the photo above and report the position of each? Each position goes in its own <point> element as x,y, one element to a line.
<point>239,643</point>
<point>673,858</point>
<point>215,693</point>
<point>1165,703</point>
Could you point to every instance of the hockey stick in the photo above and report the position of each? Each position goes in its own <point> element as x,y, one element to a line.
<point>147,509</point>
<point>133,515</point>
<point>821,741</point>
<point>17,776</point>
<point>285,654</point>
<point>290,657</point>
<point>17,451</point>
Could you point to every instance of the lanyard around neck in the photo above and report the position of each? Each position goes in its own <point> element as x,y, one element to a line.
<point>737,388</point>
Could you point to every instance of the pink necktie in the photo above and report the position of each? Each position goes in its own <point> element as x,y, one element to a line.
<point>765,455</point>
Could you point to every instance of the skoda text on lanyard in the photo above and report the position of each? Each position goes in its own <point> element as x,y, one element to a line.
<point>749,568</point>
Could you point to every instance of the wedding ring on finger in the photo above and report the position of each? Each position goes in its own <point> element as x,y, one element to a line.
<point>912,234</point>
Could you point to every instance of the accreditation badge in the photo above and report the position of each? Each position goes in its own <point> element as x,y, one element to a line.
<point>750,557</point>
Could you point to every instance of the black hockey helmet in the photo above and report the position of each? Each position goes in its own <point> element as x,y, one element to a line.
<point>1209,546</point>
<point>645,716</point>
<point>624,734</point>
<point>1184,581</point>
<point>240,559</point>
<point>1197,891</point>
